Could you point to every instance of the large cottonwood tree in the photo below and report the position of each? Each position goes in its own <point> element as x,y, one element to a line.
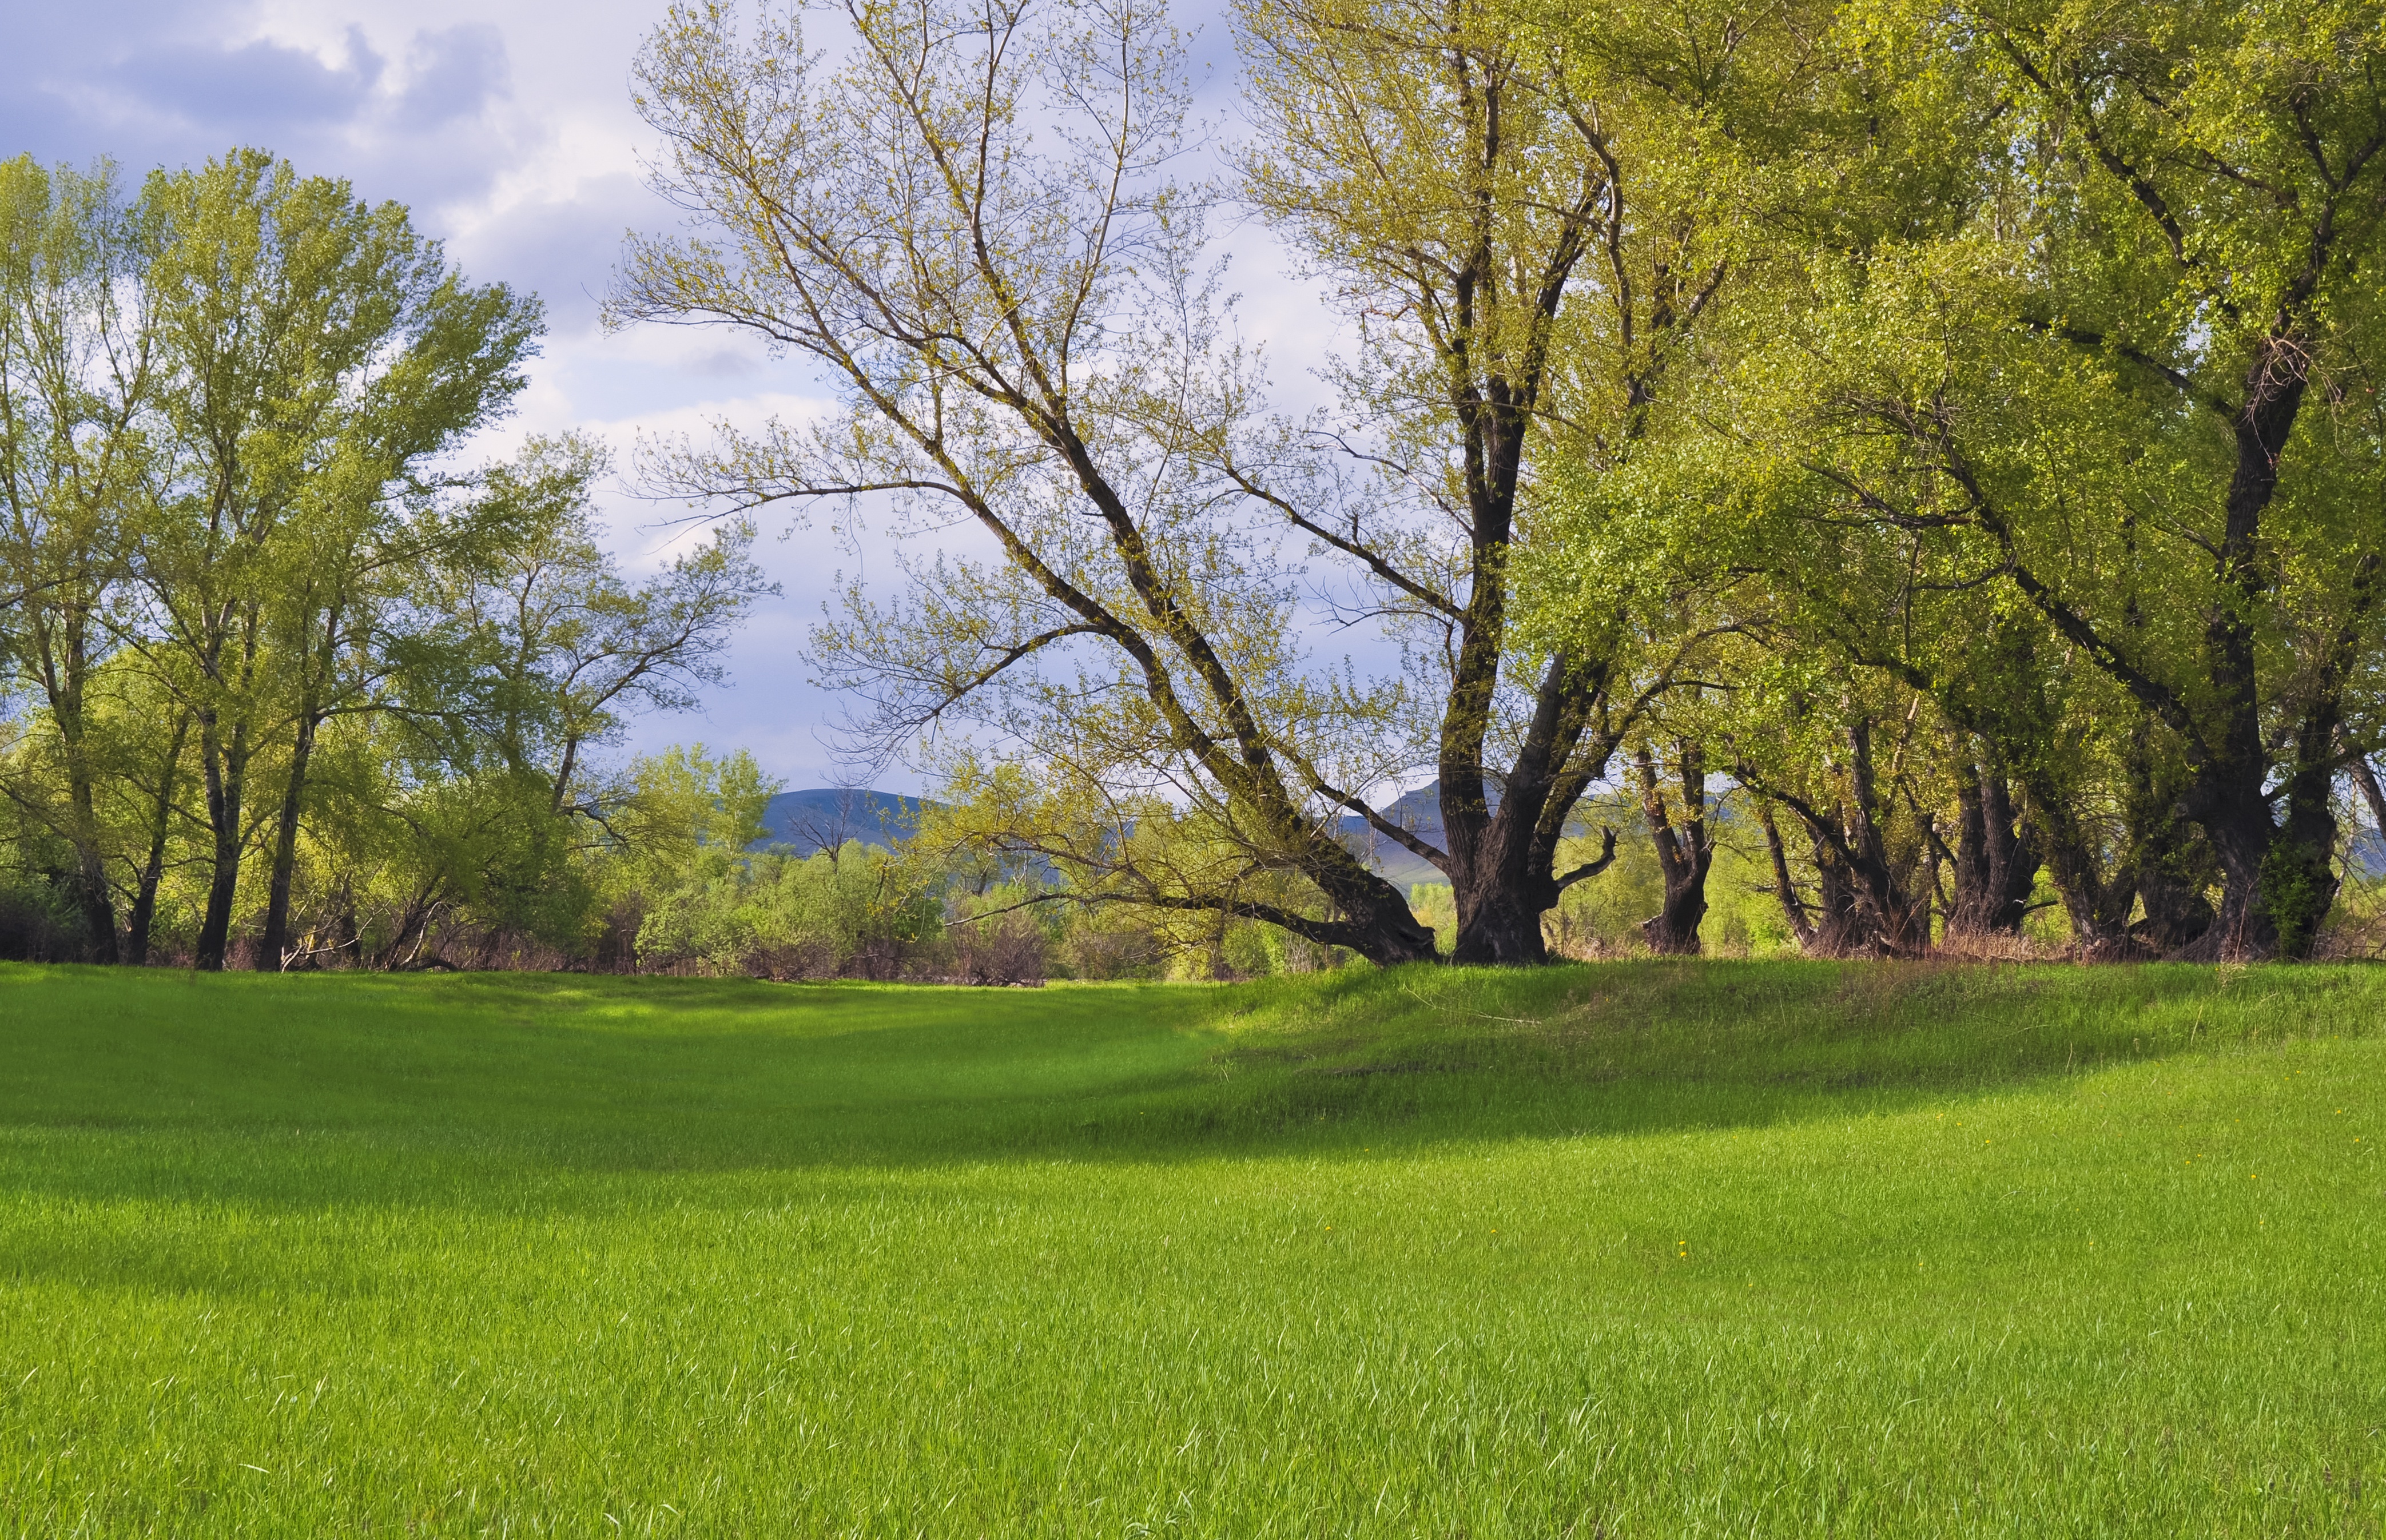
<point>78,383</point>
<point>1521,220</point>
<point>2133,386</point>
<point>1526,215</point>
<point>316,357</point>
<point>971,224</point>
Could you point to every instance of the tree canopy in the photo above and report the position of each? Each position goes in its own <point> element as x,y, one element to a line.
<point>1923,458</point>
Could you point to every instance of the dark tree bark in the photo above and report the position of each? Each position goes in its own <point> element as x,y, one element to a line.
<point>224,764</point>
<point>2265,277</point>
<point>273,945</point>
<point>59,637</point>
<point>1841,929</point>
<point>1685,851</point>
<point>225,758</point>
<point>1831,926</point>
<point>1996,859</point>
<point>1503,860</point>
<point>67,698</point>
<point>274,942</point>
<point>2095,901</point>
<point>1489,302</point>
<point>1852,850</point>
<point>2228,795</point>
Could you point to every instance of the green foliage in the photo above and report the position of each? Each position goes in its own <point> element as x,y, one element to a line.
<point>1952,428</point>
<point>784,917</point>
<point>1602,918</point>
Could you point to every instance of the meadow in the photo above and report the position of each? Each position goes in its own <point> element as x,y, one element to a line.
<point>1622,1249</point>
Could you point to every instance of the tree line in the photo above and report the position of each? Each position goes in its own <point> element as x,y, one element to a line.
<point>287,680</point>
<point>1924,452</point>
<point>1949,429</point>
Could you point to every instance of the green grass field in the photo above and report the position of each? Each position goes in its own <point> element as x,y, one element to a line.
<point>1632,1250</point>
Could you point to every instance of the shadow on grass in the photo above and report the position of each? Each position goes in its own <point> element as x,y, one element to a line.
<point>505,1090</point>
<point>1427,1056</point>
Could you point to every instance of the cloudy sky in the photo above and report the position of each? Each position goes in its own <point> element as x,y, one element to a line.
<point>506,126</point>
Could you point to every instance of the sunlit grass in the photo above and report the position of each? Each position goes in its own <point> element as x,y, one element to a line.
<point>1633,1249</point>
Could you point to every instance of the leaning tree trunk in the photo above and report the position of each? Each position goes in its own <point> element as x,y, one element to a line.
<point>1793,908</point>
<point>275,942</point>
<point>1833,925</point>
<point>1684,852</point>
<point>1377,922</point>
<point>226,765</point>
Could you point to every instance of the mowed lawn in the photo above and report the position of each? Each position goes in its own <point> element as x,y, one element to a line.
<point>1633,1249</point>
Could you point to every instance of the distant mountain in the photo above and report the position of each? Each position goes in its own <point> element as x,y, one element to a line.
<point>826,817</point>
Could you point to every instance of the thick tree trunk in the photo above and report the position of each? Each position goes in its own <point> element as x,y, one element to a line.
<point>2096,904</point>
<point>2239,827</point>
<point>2229,797</point>
<point>1840,930</point>
<point>1499,926</point>
<point>1884,888</point>
<point>1997,856</point>
<point>2277,880</point>
<point>91,878</point>
<point>2176,914</point>
<point>1834,924</point>
<point>1684,852</point>
<point>2300,883</point>
<point>1503,873</point>
<point>2168,864</point>
<point>1512,881</point>
<point>1371,917</point>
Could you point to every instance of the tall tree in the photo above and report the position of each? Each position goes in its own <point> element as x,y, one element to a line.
<point>1684,841</point>
<point>77,381</point>
<point>568,645</point>
<point>2134,385</point>
<point>547,649</point>
<point>1525,215</point>
<point>971,226</point>
<point>319,356</point>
